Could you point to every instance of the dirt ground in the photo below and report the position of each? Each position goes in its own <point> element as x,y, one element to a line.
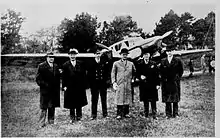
<point>20,113</point>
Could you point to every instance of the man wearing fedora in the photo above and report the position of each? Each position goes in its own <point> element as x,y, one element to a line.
<point>97,76</point>
<point>48,78</point>
<point>171,70</point>
<point>121,76</point>
<point>73,83</point>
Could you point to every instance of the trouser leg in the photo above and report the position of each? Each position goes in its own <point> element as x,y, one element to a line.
<point>103,94</point>
<point>204,69</point>
<point>119,110</point>
<point>132,93</point>
<point>72,114</point>
<point>175,109</point>
<point>51,114</point>
<point>126,110</point>
<point>95,95</point>
<point>210,69</point>
<point>78,113</point>
<point>146,108</point>
<point>154,108</point>
<point>168,109</point>
<point>42,118</point>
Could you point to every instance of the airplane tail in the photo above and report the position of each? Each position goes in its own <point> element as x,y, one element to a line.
<point>166,34</point>
<point>151,41</point>
<point>102,46</point>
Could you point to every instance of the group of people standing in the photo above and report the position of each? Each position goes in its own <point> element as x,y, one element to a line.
<point>123,73</point>
<point>75,75</point>
<point>205,61</point>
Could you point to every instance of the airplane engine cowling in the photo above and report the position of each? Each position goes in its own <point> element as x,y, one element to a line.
<point>135,53</point>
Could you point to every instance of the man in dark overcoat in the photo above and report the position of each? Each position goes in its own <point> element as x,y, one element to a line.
<point>149,83</point>
<point>171,72</point>
<point>74,86</point>
<point>97,76</point>
<point>48,78</point>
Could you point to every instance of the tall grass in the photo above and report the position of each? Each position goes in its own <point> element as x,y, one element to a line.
<point>16,73</point>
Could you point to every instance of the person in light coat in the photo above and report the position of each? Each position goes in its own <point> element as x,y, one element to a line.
<point>121,76</point>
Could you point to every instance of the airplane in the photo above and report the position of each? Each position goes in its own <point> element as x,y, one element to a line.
<point>136,46</point>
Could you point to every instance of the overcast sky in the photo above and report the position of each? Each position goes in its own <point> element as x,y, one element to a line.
<point>45,13</point>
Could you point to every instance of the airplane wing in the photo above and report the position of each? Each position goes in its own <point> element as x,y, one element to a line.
<point>32,60</point>
<point>43,55</point>
<point>23,59</point>
<point>105,48</point>
<point>187,52</point>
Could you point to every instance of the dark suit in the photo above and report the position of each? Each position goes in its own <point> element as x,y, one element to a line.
<point>48,78</point>
<point>148,90</point>
<point>75,95</point>
<point>170,76</point>
<point>97,76</point>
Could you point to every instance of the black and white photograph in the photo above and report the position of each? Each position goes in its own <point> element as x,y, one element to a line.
<point>109,68</point>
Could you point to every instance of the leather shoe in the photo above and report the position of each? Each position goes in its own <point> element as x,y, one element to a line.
<point>93,118</point>
<point>176,116</point>
<point>168,117</point>
<point>127,116</point>
<point>42,126</point>
<point>118,117</point>
<point>106,117</point>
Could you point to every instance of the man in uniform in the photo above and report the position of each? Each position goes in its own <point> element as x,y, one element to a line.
<point>149,83</point>
<point>48,78</point>
<point>97,76</point>
<point>74,86</point>
<point>171,72</point>
<point>121,76</point>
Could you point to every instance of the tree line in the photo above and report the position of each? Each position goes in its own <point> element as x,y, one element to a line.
<point>83,31</point>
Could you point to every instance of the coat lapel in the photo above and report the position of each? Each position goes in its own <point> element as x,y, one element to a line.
<point>167,62</point>
<point>124,64</point>
<point>77,65</point>
<point>73,68</point>
<point>172,61</point>
<point>48,66</point>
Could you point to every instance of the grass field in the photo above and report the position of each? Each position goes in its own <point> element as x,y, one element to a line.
<point>20,112</point>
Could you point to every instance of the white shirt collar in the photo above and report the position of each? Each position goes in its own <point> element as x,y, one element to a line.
<point>50,64</point>
<point>73,62</point>
<point>169,58</point>
<point>97,60</point>
<point>146,62</point>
